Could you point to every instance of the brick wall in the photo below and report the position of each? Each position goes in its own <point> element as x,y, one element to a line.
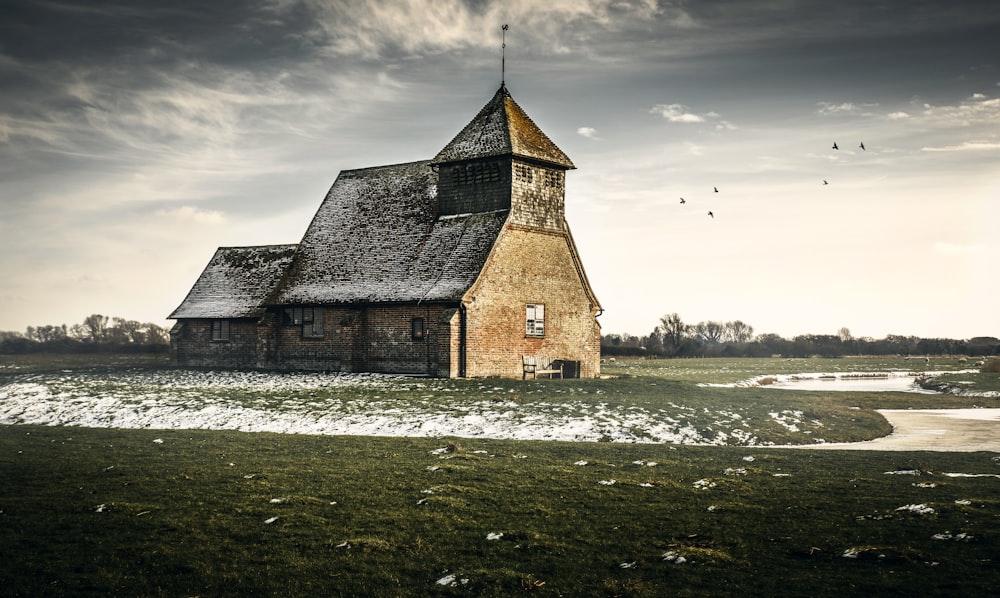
<point>530,266</point>
<point>192,345</point>
<point>375,338</point>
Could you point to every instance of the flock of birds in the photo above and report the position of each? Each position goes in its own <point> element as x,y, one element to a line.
<point>825,182</point>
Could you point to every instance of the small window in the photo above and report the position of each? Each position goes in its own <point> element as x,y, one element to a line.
<point>417,330</point>
<point>312,322</point>
<point>220,330</point>
<point>310,318</point>
<point>292,316</point>
<point>535,320</point>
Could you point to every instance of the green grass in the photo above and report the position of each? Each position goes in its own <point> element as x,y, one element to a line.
<point>113,512</point>
<point>97,512</point>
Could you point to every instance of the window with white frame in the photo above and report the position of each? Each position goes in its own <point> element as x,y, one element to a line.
<point>534,319</point>
<point>220,330</point>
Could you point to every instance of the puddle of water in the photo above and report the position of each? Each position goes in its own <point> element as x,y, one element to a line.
<point>891,383</point>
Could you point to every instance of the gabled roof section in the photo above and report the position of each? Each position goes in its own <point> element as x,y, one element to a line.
<point>377,238</point>
<point>502,129</point>
<point>235,282</point>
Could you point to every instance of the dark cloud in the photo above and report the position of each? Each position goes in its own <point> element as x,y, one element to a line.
<point>201,123</point>
<point>151,33</point>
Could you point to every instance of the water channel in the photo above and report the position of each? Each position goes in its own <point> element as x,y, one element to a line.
<point>848,382</point>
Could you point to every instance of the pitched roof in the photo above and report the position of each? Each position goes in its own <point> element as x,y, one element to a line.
<point>235,282</point>
<point>377,238</point>
<point>502,129</point>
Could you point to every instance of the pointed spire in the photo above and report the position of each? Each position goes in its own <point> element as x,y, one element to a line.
<point>502,128</point>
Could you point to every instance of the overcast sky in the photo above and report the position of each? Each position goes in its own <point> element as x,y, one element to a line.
<point>138,136</point>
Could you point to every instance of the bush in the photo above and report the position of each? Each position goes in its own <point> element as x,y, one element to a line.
<point>991,366</point>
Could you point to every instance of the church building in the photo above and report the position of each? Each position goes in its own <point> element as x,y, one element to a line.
<point>458,266</point>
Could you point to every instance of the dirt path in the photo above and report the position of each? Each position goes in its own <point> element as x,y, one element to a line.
<point>955,430</point>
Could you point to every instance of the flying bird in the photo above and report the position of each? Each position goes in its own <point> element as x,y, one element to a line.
<point>682,200</point>
<point>711,214</point>
<point>862,146</point>
<point>825,183</point>
<point>835,146</point>
<point>716,189</point>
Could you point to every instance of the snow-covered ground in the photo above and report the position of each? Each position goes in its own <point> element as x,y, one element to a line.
<point>380,405</point>
<point>287,403</point>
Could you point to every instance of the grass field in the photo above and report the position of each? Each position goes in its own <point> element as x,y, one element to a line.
<point>102,511</point>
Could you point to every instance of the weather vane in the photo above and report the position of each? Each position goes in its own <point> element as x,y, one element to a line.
<point>503,54</point>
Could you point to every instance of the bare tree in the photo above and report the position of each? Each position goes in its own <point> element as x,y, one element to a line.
<point>738,332</point>
<point>97,327</point>
<point>155,334</point>
<point>709,332</point>
<point>673,331</point>
<point>125,331</point>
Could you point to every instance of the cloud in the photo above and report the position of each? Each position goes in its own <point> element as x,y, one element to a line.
<point>829,108</point>
<point>964,147</point>
<point>588,132</point>
<point>977,109</point>
<point>900,115</point>
<point>192,215</point>
<point>410,28</point>
<point>695,149</point>
<point>677,113</point>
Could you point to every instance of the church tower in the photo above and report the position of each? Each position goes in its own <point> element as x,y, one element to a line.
<point>502,161</point>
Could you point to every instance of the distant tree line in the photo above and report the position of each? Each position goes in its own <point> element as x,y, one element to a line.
<point>673,338</point>
<point>95,334</point>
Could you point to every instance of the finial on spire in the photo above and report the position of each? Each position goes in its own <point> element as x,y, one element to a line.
<point>503,54</point>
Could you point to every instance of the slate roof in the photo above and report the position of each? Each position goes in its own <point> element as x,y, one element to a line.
<point>377,238</point>
<point>502,129</point>
<point>235,282</point>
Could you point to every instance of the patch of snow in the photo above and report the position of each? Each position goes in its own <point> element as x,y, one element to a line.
<point>919,509</point>
<point>452,581</point>
<point>961,537</point>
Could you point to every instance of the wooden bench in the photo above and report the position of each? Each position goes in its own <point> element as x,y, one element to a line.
<point>539,366</point>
